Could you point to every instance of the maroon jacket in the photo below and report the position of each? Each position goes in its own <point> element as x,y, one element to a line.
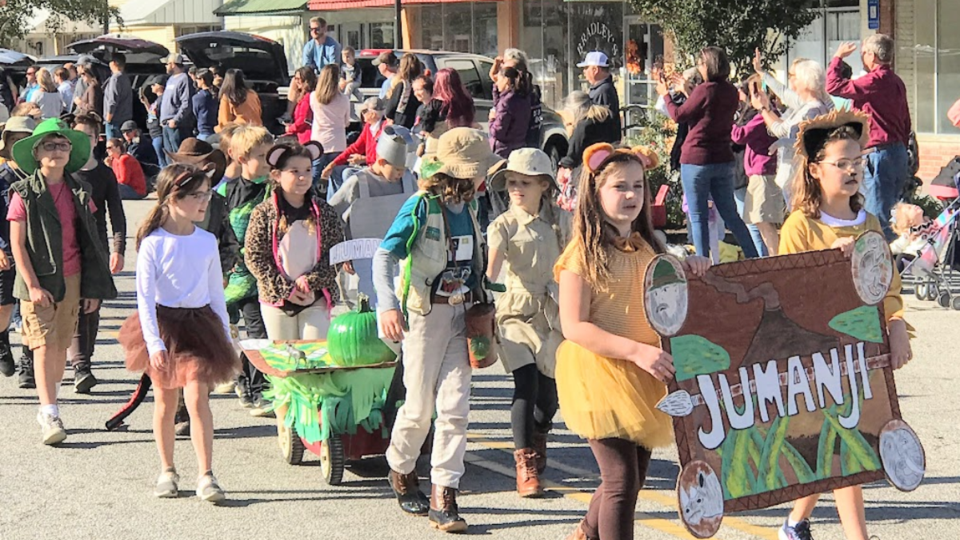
<point>709,112</point>
<point>880,94</point>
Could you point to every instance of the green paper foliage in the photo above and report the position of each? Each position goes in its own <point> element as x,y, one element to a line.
<point>862,323</point>
<point>343,400</point>
<point>696,355</point>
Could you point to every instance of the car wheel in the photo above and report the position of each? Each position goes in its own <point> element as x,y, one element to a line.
<point>554,153</point>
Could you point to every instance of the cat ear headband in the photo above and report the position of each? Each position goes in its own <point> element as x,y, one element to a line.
<point>596,156</point>
<point>279,152</point>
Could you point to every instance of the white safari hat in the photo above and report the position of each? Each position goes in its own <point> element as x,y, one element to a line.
<point>528,162</point>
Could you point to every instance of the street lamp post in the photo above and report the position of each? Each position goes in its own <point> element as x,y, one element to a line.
<point>398,6</point>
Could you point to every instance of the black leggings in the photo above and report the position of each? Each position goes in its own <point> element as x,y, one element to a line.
<point>623,470</point>
<point>253,323</point>
<point>534,404</point>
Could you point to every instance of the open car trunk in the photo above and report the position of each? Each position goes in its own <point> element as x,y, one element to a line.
<point>263,62</point>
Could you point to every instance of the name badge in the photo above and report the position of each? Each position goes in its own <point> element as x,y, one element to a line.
<point>462,248</point>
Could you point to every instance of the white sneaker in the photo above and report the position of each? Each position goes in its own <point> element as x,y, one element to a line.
<point>53,432</point>
<point>208,489</point>
<point>226,388</point>
<point>167,485</point>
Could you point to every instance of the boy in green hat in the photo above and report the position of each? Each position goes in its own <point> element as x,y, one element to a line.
<point>59,258</point>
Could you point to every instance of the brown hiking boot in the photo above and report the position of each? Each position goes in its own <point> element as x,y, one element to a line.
<point>407,489</point>
<point>528,481</point>
<point>539,445</point>
<point>444,512</point>
<point>578,533</point>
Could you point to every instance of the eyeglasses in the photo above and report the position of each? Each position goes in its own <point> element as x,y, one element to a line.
<point>850,165</point>
<point>201,196</point>
<point>111,147</point>
<point>54,146</point>
<point>31,73</point>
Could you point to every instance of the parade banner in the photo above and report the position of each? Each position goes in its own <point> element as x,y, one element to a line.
<point>783,383</point>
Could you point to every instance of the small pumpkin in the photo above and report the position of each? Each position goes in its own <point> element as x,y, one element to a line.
<point>353,341</point>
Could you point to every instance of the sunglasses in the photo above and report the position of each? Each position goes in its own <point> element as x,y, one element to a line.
<point>315,30</point>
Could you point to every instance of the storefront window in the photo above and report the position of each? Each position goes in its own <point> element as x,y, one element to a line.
<point>923,90</point>
<point>382,35</point>
<point>544,38</point>
<point>469,27</point>
<point>948,62</point>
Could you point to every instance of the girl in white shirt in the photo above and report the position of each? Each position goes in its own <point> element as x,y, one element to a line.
<point>180,334</point>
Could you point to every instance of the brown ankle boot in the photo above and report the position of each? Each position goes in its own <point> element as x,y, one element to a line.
<point>539,445</point>
<point>528,481</point>
<point>444,512</point>
<point>407,489</point>
<point>578,533</point>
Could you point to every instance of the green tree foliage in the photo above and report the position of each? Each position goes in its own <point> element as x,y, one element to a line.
<point>738,26</point>
<point>15,14</point>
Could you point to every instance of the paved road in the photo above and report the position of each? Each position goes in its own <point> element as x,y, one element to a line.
<point>99,484</point>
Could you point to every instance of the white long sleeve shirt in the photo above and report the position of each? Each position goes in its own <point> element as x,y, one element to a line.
<point>178,272</point>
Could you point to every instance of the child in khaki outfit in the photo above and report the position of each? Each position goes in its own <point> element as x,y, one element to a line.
<point>528,239</point>
<point>58,254</point>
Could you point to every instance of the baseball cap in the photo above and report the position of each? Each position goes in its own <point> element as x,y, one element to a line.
<point>129,125</point>
<point>86,61</point>
<point>372,104</point>
<point>394,144</point>
<point>387,58</point>
<point>157,79</point>
<point>173,58</point>
<point>595,58</point>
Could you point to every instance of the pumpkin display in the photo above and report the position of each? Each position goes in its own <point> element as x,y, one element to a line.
<point>353,341</point>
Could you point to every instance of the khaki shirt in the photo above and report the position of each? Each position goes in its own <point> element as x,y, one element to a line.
<point>530,246</point>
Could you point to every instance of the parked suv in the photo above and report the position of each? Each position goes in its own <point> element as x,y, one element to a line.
<point>262,60</point>
<point>143,61</point>
<point>474,71</point>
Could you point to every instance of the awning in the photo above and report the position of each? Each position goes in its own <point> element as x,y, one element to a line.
<point>169,12</point>
<point>340,5</point>
<point>261,7</point>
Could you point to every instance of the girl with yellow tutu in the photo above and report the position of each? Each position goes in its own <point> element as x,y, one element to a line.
<point>611,371</point>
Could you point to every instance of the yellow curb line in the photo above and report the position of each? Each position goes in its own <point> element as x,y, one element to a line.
<point>647,495</point>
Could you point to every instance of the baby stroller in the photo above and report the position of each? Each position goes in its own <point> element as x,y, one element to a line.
<point>932,266</point>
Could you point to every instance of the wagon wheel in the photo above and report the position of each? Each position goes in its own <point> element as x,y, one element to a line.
<point>291,445</point>
<point>944,299</point>
<point>921,291</point>
<point>332,460</point>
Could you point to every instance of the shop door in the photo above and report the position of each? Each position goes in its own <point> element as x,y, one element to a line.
<point>351,34</point>
<point>643,46</point>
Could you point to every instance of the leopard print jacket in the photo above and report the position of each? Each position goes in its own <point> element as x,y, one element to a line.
<point>259,256</point>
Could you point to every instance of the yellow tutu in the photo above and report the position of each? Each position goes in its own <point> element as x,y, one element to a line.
<point>602,398</point>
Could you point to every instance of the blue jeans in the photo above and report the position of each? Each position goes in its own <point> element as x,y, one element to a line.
<point>322,188</point>
<point>172,137</point>
<point>715,181</point>
<point>158,148</point>
<point>127,193</point>
<point>740,195</point>
<point>886,173</point>
<point>112,131</point>
<point>204,136</point>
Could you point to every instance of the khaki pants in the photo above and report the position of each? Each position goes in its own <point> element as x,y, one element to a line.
<point>437,376</point>
<point>311,323</point>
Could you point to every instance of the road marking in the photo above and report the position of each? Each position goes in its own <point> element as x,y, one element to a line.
<point>647,495</point>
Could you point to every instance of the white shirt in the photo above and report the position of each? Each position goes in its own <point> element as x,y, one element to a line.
<point>178,272</point>
<point>330,122</point>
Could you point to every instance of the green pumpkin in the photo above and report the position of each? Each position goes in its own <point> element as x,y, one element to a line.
<point>352,339</point>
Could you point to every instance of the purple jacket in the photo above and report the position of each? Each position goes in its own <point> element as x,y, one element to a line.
<point>757,160</point>
<point>508,130</point>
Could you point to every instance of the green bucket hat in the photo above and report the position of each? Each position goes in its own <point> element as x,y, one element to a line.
<point>23,150</point>
<point>664,274</point>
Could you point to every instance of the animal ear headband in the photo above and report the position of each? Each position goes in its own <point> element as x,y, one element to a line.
<point>596,156</point>
<point>184,178</point>
<point>279,152</point>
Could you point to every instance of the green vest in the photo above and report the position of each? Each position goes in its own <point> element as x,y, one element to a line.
<point>427,256</point>
<point>45,242</point>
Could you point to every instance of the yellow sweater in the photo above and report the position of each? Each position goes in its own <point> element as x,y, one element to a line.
<point>248,112</point>
<point>801,233</point>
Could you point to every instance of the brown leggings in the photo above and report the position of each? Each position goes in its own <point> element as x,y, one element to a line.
<point>623,470</point>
